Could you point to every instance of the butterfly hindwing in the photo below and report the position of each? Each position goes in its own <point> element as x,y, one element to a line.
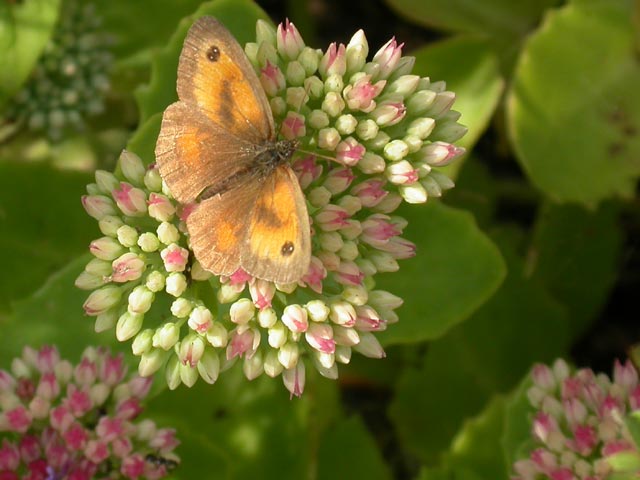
<point>278,236</point>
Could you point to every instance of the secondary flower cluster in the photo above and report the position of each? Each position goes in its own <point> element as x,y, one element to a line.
<point>385,132</point>
<point>78,422</point>
<point>579,422</point>
<point>70,79</point>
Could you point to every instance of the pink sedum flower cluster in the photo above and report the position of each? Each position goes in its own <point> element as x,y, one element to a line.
<point>371,135</point>
<point>579,422</point>
<point>78,422</point>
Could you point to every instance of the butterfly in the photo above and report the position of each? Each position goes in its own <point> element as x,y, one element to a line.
<point>217,148</point>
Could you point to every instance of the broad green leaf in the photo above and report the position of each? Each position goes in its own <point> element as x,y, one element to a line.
<point>457,268</point>
<point>470,69</point>
<point>349,451</point>
<point>575,252</point>
<point>25,29</point>
<point>574,109</point>
<point>143,24</point>
<point>503,22</point>
<point>42,222</point>
<point>488,353</point>
<point>516,439</point>
<point>252,429</point>
<point>53,315</point>
<point>477,448</point>
<point>239,16</point>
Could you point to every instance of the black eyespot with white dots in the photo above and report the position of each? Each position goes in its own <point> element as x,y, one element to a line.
<point>213,54</point>
<point>287,249</point>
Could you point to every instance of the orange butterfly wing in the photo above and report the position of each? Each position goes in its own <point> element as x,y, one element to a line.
<point>210,134</point>
<point>215,76</point>
<point>278,236</point>
<point>262,227</point>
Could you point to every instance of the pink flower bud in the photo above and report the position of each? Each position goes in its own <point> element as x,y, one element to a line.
<point>360,95</point>
<point>402,173</point>
<point>293,126</point>
<point>399,248</point>
<point>160,207</point>
<point>96,451</point>
<point>439,154</point>
<point>101,300</point>
<point>307,170</point>
<point>262,293</point>
<point>349,152</point>
<point>368,320</point>
<point>348,273</point>
<point>320,337</point>
<point>295,318</point>
<point>387,57</point>
<point>625,375</point>
<point>112,370</point>
<point>85,372</point>
<point>389,112</point>
<point>175,258</point>
<point>9,457</point>
<point>378,229</point>
<point>331,218</point>
<point>106,248</point>
<point>241,344</point>
<point>342,313</point>
<point>17,419</point>
<point>200,319</point>
<point>191,350</point>
<point>338,180</point>
<point>288,40</point>
<point>294,379</point>
<point>130,200</point>
<point>272,79</point>
<point>242,311</point>
<point>334,61</point>
<point>127,267</point>
<point>370,192</point>
<point>315,276</point>
<point>98,206</point>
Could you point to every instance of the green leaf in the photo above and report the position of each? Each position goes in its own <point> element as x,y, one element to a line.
<point>239,16</point>
<point>503,22</point>
<point>477,448</point>
<point>42,222</point>
<point>251,429</point>
<point>575,253</point>
<point>25,29</point>
<point>54,316</point>
<point>349,451</point>
<point>488,353</point>
<point>471,70</point>
<point>574,111</point>
<point>122,20</point>
<point>457,268</point>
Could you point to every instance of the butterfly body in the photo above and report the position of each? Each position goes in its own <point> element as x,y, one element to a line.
<point>217,148</point>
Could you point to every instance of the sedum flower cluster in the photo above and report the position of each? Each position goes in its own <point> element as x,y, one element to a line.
<point>78,422</point>
<point>579,422</point>
<point>69,82</point>
<point>371,135</point>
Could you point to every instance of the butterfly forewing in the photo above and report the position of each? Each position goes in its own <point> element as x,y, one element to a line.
<point>215,75</point>
<point>198,153</point>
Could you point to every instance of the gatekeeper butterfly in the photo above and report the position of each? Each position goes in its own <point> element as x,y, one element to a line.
<point>217,148</point>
